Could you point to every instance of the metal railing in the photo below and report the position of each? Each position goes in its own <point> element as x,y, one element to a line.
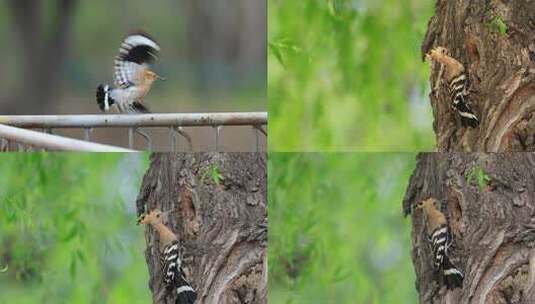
<point>50,142</point>
<point>175,123</point>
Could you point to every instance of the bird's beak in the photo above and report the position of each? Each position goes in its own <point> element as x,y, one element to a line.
<point>139,219</point>
<point>160,77</point>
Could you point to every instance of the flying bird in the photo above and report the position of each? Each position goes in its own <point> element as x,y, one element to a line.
<point>133,78</point>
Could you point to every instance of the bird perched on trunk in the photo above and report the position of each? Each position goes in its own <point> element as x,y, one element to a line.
<point>133,78</point>
<point>440,237</point>
<point>457,79</point>
<point>174,278</point>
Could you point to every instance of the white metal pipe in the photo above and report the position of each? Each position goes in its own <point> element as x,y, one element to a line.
<point>53,142</point>
<point>139,120</point>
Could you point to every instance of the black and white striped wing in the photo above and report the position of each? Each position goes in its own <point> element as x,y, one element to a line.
<point>174,277</point>
<point>135,54</point>
<point>440,240</point>
<point>171,263</point>
<point>458,88</point>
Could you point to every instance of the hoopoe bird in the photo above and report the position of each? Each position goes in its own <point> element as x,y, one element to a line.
<point>456,76</point>
<point>174,277</point>
<point>440,237</point>
<point>133,78</point>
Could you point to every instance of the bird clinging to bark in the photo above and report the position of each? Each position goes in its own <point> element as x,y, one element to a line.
<point>455,75</point>
<point>133,78</point>
<point>174,277</point>
<point>438,233</point>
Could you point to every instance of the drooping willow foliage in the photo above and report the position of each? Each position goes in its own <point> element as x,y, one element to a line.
<point>67,229</point>
<point>348,75</point>
<point>336,229</point>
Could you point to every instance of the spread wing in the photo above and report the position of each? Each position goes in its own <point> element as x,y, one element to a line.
<point>135,54</point>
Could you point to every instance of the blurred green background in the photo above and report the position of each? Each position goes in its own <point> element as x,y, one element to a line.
<point>53,53</point>
<point>67,229</point>
<point>346,75</point>
<point>336,229</point>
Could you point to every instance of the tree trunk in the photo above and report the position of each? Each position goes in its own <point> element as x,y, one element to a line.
<point>217,206</point>
<point>494,41</point>
<point>488,200</point>
<point>219,35</point>
<point>44,51</point>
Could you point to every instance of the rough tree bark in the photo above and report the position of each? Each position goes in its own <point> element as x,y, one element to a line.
<point>494,40</point>
<point>492,218</point>
<point>44,50</point>
<point>217,206</point>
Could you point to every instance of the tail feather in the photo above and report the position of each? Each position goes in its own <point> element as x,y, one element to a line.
<point>470,121</point>
<point>104,100</point>
<point>452,275</point>
<point>185,294</point>
<point>468,118</point>
<point>174,276</point>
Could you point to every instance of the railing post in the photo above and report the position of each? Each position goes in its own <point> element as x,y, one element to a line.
<point>146,137</point>
<point>172,139</point>
<point>257,140</point>
<point>216,137</point>
<point>87,134</point>
<point>130,138</point>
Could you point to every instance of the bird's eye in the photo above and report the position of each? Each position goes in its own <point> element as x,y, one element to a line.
<point>157,215</point>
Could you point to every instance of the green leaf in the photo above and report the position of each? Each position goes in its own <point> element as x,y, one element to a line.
<point>217,177</point>
<point>283,46</point>
<point>71,234</point>
<point>80,255</point>
<point>72,267</point>
<point>479,175</point>
<point>276,52</point>
<point>498,25</point>
<point>341,273</point>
